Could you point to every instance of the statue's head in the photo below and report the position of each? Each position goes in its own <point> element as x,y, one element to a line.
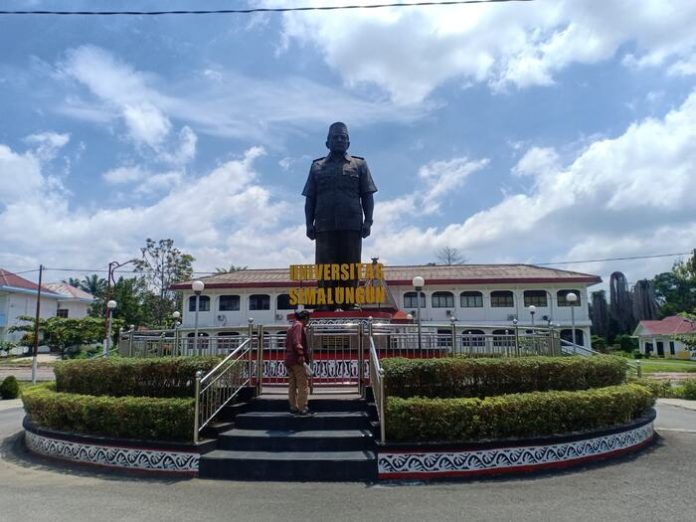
<point>338,140</point>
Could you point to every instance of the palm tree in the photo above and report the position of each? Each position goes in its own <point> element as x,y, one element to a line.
<point>94,285</point>
<point>232,268</point>
<point>72,281</point>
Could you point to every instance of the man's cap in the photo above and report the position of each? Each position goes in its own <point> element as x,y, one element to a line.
<point>302,315</point>
<point>338,127</point>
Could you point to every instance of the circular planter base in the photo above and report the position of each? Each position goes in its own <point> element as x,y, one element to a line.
<point>127,455</point>
<point>447,461</point>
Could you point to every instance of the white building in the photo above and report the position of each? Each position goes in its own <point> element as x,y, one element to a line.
<point>488,297</point>
<point>18,297</point>
<point>73,303</point>
<point>660,338</point>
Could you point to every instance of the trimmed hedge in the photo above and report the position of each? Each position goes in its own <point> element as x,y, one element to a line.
<point>519,415</point>
<point>9,389</point>
<point>120,417</point>
<point>161,377</point>
<point>474,377</point>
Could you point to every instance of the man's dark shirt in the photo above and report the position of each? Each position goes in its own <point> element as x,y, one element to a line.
<point>294,338</point>
<point>336,187</point>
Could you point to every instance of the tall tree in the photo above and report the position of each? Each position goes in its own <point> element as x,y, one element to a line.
<point>161,265</point>
<point>620,306</point>
<point>72,281</point>
<point>450,256</point>
<point>599,313</point>
<point>644,302</point>
<point>676,290</point>
<point>94,285</point>
<point>129,295</point>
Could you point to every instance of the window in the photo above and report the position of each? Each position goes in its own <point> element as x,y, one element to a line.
<point>502,299</point>
<point>283,302</point>
<point>471,299</point>
<point>567,335</point>
<point>443,300</point>
<point>229,303</point>
<point>504,338</point>
<point>535,297</point>
<point>562,294</point>
<point>473,338</point>
<point>259,302</point>
<point>204,304</point>
<point>62,312</point>
<point>410,300</point>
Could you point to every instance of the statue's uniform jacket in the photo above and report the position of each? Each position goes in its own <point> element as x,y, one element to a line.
<point>336,187</point>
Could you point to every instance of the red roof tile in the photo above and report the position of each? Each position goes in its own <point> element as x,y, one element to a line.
<point>672,325</point>
<point>69,291</point>
<point>14,281</point>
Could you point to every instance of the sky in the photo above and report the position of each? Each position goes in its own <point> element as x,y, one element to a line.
<point>535,132</point>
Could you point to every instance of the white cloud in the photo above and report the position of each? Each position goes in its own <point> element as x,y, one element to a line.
<point>409,52</point>
<point>623,196</point>
<point>444,177</point>
<point>20,175</point>
<point>47,143</point>
<point>122,175</point>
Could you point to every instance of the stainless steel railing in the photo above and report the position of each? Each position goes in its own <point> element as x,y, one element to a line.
<point>220,385</point>
<point>377,383</point>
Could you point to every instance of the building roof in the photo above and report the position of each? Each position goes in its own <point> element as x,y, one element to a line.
<point>9,281</point>
<point>672,325</point>
<point>70,291</point>
<point>402,275</point>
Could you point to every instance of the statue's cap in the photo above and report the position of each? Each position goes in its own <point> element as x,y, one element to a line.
<point>338,127</point>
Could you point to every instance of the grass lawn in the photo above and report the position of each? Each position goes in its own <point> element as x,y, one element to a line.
<point>667,366</point>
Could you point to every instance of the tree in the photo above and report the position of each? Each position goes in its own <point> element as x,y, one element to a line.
<point>644,301</point>
<point>450,256</point>
<point>94,285</point>
<point>620,306</point>
<point>72,281</point>
<point>675,291</point>
<point>129,295</point>
<point>60,333</point>
<point>232,268</point>
<point>599,314</point>
<point>161,266</point>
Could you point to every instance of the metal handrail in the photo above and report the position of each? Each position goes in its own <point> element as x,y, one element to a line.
<point>377,382</point>
<point>568,348</point>
<point>220,385</point>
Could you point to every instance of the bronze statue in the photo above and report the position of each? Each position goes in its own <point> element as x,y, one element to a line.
<point>339,201</point>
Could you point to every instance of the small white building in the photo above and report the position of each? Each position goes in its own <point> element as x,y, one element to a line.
<point>659,338</point>
<point>73,303</point>
<point>18,297</point>
<point>488,296</point>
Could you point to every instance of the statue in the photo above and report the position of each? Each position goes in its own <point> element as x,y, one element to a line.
<point>339,201</point>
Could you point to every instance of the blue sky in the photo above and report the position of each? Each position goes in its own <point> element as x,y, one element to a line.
<point>532,132</point>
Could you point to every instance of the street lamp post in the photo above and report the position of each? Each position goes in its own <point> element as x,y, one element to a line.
<point>110,306</point>
<point>176,315</point>
<point>532,311</point>
<point>197,287</point>
<point>572,298</point>
<point>418,283</point>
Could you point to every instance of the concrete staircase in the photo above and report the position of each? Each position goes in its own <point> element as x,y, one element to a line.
<point>263,441</point>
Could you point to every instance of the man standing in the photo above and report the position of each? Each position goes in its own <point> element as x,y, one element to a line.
<point>296,355</point>
<point>339,201</point>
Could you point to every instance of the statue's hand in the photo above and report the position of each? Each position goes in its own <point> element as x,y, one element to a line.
<point>311,233</point>
<point>366,229</point>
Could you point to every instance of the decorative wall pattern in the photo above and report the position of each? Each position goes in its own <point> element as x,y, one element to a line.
<point>126,458</point>
<point>392,465</point>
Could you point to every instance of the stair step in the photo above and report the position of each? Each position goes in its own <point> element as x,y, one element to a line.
<point>290,466</point>
<point>333,404</point>
<point>275,420</point>
<point>296,441</point>
<point>215,428</point>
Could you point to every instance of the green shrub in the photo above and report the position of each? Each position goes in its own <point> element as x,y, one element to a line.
<point>535,414</point>
<point>473,377</point>
<point>119,377</point>
<point>121,417</point>
<point>689,389</point>
<point>9,389</point>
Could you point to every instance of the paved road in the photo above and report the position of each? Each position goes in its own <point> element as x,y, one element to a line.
<point>648,487</point>
<point>24,374</point>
